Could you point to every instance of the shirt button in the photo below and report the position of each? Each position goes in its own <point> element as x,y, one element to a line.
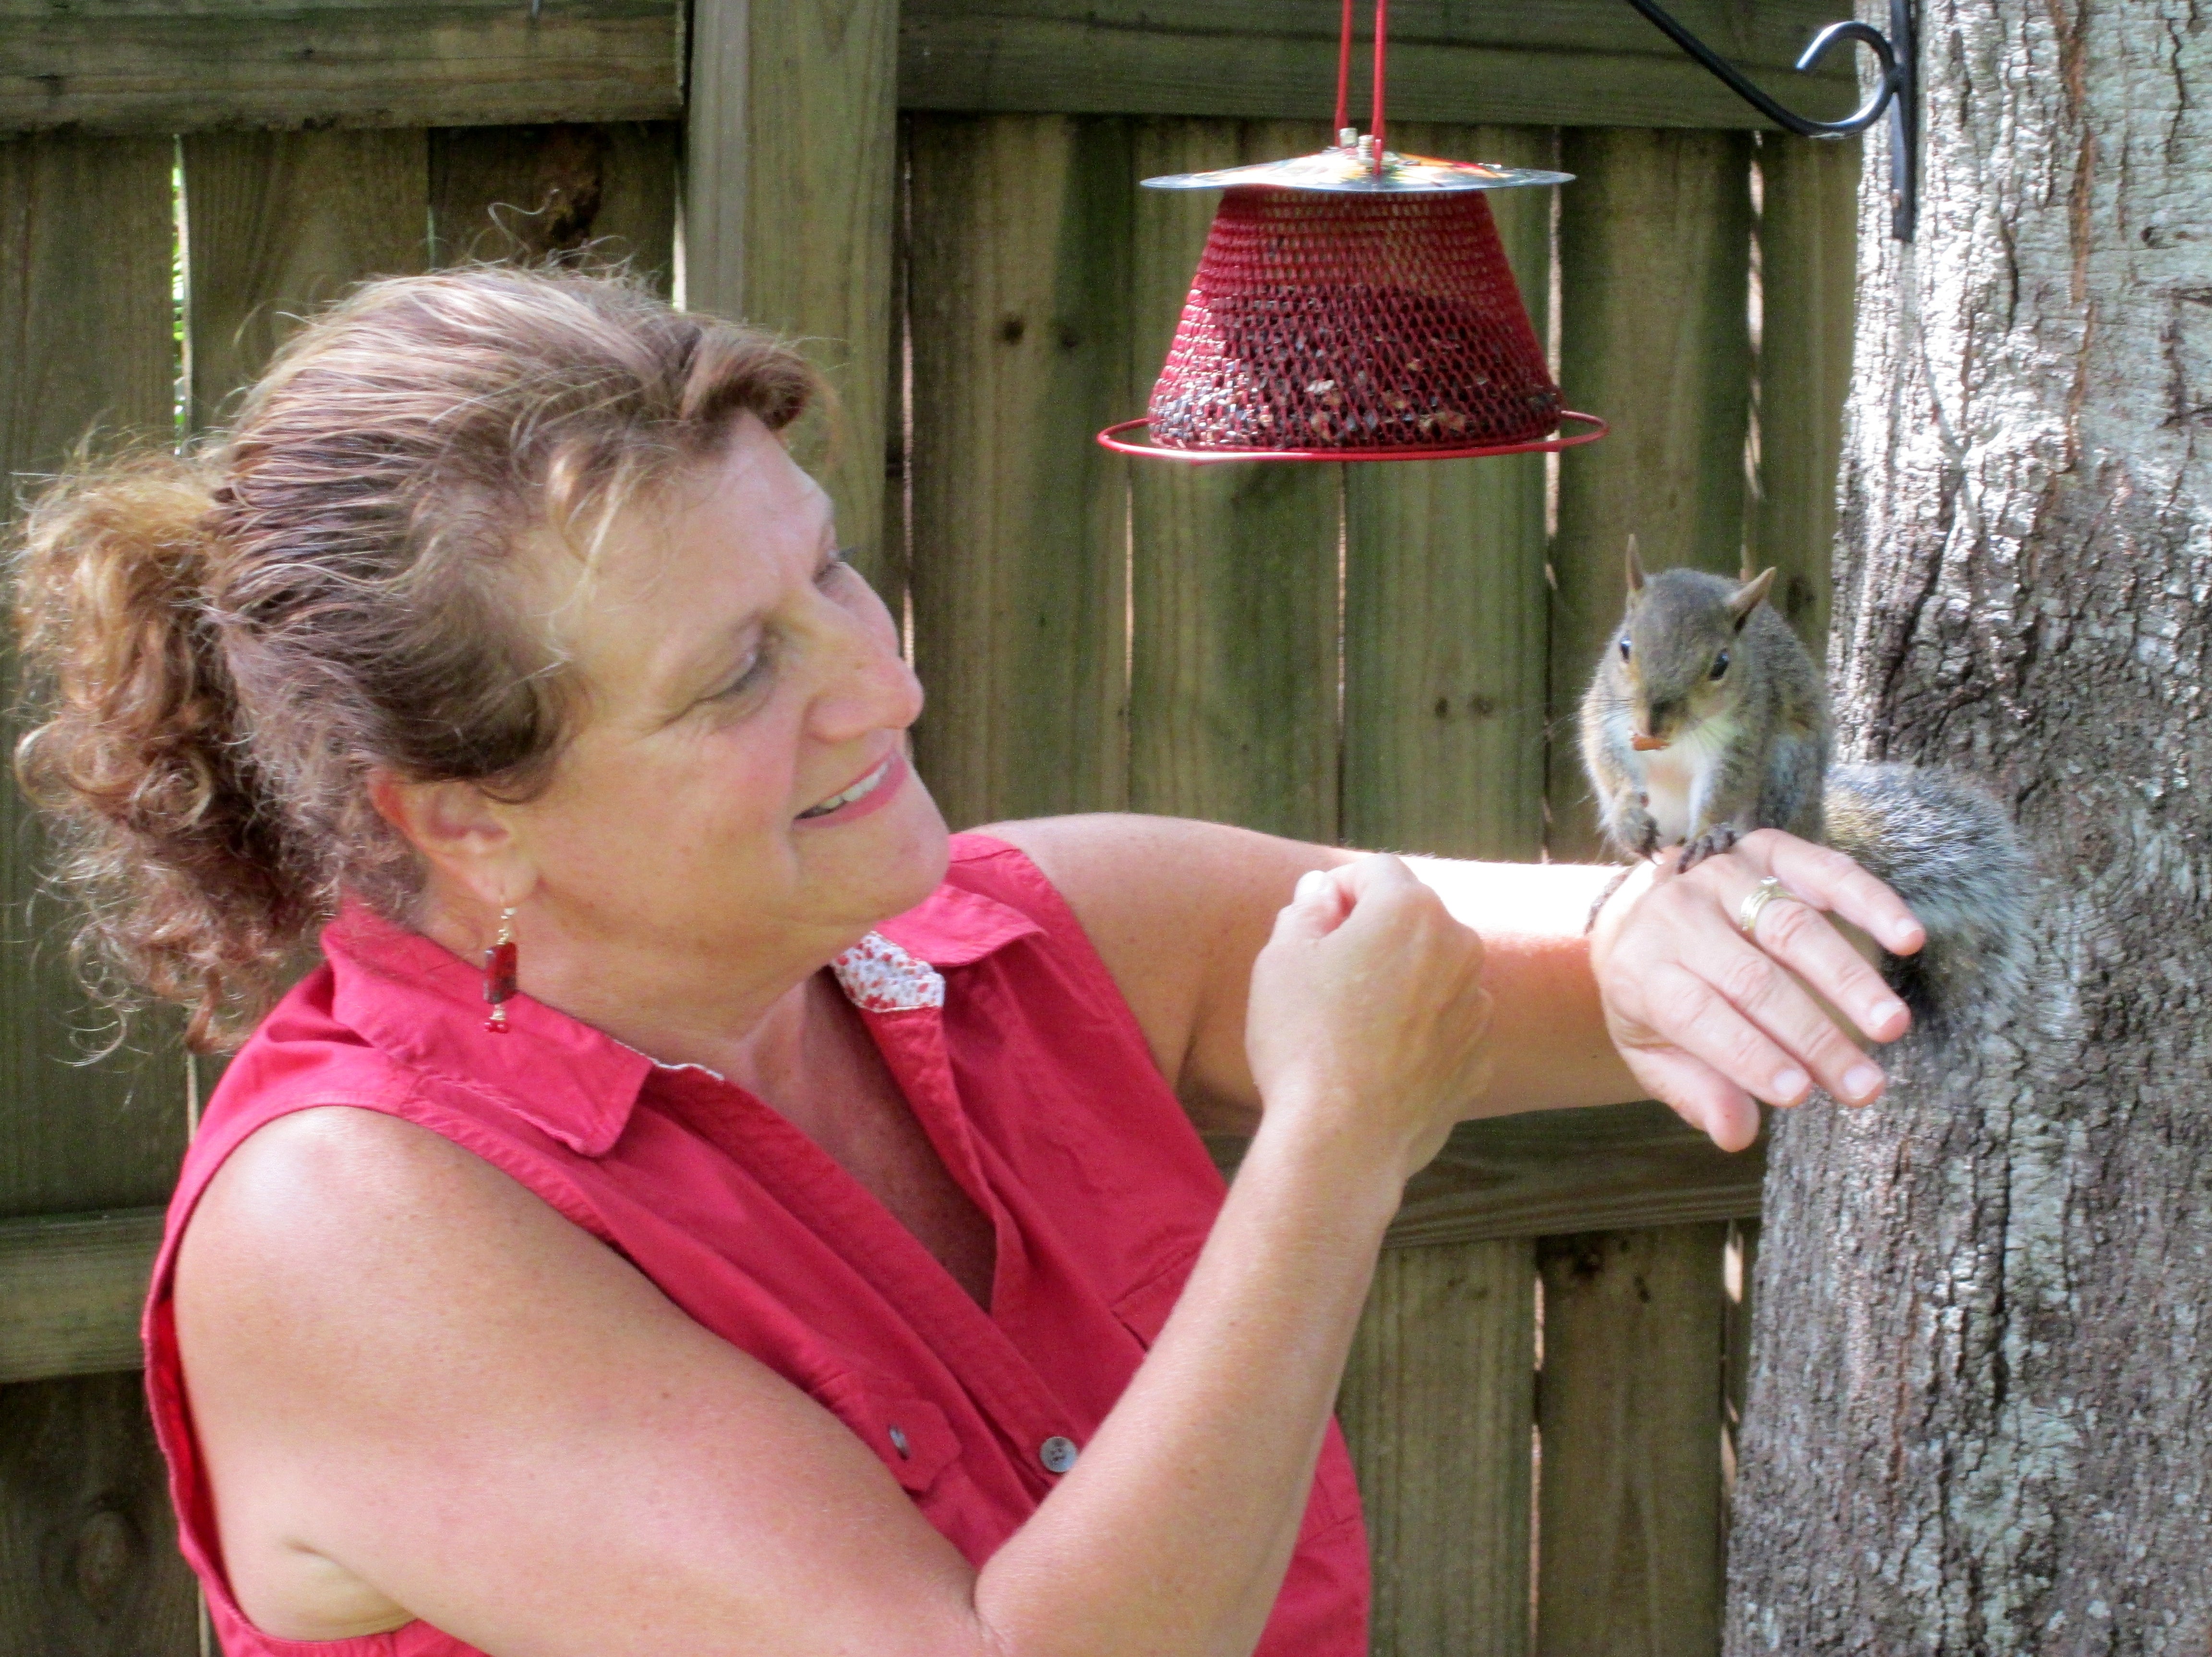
<point>1057,1454</point>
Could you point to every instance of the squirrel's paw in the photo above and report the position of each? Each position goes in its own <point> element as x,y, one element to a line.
<point>1637,832</point>
<point>1721,837</point>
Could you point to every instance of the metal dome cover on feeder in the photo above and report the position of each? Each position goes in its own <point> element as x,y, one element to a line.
<point>1354,305</point>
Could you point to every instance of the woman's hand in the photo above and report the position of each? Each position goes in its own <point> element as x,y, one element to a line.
<point>1711,1021</point>
<point>1368,1022</point>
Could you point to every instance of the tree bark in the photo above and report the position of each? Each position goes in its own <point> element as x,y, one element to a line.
<point>1980,1418</point>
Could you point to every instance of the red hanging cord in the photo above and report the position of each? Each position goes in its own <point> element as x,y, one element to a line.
<point>1382,30</point>
<point>1343,76</point>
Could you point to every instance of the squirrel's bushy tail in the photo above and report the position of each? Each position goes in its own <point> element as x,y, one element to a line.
<point>1949,850</point>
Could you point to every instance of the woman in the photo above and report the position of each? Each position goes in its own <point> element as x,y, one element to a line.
<point>810,1251</point>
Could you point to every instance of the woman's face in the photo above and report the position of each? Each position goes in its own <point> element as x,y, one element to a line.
<point>738,781</point>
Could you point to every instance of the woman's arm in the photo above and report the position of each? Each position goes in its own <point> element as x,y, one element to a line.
<point>1663,998</point>
<point>410,1377</point>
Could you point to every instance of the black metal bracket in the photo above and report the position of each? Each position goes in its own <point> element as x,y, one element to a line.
<point>1897,93</point>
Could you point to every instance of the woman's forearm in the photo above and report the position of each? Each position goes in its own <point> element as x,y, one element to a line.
<point>1551,1049</point>
<point>1172,1535</point>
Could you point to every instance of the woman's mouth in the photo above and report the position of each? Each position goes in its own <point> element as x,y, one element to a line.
<point>871,791</point>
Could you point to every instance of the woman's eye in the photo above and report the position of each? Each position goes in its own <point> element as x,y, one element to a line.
<point>1624,650</point>
<point>1720,666</point>
<point>837,566</point>
<point>754,673</point>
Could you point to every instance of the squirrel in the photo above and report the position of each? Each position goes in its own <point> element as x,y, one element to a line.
<point>1707,718</point>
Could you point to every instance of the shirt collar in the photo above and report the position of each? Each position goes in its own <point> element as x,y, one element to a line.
<point>954,928</point>
<point>423,1006</point>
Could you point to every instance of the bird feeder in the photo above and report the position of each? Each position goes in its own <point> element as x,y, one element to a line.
<point>1354,305</point>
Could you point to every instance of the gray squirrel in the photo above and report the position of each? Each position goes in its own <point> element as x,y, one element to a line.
<point>1707,718</point>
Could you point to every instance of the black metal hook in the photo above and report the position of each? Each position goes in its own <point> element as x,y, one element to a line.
<point>1894,94</point>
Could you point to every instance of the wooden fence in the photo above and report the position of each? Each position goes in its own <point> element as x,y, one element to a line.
<point>1376,655</point>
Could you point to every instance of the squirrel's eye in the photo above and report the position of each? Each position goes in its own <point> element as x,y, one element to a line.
<point>1720,666</point>
<point>1624,648</point>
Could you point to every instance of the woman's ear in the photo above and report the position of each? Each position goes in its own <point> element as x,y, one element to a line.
<point>460,832</point>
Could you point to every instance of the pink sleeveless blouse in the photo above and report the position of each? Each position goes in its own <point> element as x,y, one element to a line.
<point>1025,1067</point>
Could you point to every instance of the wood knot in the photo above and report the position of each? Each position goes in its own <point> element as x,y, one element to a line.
<point>105,1556</point>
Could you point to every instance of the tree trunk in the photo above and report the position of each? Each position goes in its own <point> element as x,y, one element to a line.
<point>1981,1411</point>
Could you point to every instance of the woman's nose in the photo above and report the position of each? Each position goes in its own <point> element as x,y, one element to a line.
<point>871,687</point>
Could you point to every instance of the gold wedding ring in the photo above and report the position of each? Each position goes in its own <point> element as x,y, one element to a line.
<point>1754,904</point>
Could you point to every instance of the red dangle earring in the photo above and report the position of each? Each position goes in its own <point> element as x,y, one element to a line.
<point>499,974</point>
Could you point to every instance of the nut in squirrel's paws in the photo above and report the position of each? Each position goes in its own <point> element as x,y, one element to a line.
<point>1721,837</point>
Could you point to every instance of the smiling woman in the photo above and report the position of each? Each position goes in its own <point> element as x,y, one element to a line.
<point>818,1252</point>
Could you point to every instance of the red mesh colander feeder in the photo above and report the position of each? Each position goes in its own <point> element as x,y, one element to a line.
<point>1354,305</point>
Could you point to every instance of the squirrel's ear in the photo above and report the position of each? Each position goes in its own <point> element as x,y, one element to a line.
<point>1635,569</point>
<point>1746,597</point>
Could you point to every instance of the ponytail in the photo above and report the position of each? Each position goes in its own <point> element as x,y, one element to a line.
<point>162,835</point>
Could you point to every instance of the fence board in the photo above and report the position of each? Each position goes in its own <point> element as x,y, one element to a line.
<point>1809,266</point>
<point>1021,227</point>
<point>1654,239</point>
<point>92,1566</point>
<point>1436,1404</point>
<point>278,225</point>
<point>1654,249</point>
<point>155,66</point>
<point>84,342</point>
<point>717,157</point>
<point>822,143</point>
<point>891,570</point>
<point>1582,61</point>
<point>1445,651</point>
<point>1444,675</point>
<point>1742,1270</point>
<point>1629,1404</point>
<point>88,1562</point>
<point>536,193</point>
<point>1233,568</point>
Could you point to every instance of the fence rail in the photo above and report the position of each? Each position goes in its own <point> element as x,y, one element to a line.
<point>155,66</point>
<point>139,66</point>
<point>1579,62</point>
<point>72,1284</point>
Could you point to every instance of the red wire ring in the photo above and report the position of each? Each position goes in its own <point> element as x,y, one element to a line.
<point>1111,437</point>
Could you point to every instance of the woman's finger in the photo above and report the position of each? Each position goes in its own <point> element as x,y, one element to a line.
<point>1826,879</point>
<point>1755,983</point>
<point>1686,1011</point>
<point>1801,937</point>
<point>1697,1094</point>
<point>1792,928</point>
